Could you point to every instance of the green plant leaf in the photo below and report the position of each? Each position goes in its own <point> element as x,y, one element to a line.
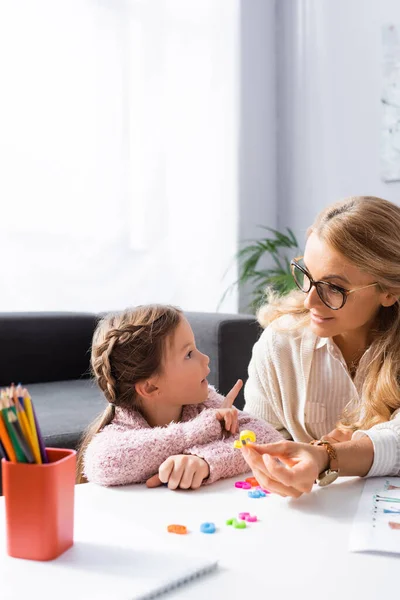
<point>278,277</point>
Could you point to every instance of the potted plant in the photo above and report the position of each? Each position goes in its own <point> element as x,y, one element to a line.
<point>278,276</point>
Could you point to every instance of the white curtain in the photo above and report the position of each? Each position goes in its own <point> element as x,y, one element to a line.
<point>118,153</point>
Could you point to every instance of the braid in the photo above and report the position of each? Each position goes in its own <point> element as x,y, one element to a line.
<point>128,332</point>
<point>102,367</point>
<point>111,368</point>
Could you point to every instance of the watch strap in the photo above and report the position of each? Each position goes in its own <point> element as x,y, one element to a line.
<point>333,464</point>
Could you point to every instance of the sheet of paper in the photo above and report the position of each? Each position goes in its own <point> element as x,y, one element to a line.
<point>376,525</point>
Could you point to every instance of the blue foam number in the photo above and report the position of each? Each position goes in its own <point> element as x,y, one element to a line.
<point>256,494</point>
<point>207,528</point>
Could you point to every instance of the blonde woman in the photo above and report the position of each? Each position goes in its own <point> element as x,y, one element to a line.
<point>326,370</point>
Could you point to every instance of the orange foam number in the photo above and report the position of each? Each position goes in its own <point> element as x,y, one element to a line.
<point>252,481</point>
<point>177,529</point>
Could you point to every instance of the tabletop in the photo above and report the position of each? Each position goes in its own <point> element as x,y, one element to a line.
<point>296,548</point>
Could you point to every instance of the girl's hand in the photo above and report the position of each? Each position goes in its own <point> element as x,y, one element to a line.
<point>228,413</point>
<point>183,471</point>
<point>286,468</point>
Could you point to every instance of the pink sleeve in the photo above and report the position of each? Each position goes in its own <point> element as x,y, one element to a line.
<point>118,457</point>
<point>226,461</point>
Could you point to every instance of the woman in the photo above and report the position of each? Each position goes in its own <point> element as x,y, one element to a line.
<point>326,370</point>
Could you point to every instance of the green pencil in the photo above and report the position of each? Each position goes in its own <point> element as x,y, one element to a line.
<point>14,439</point>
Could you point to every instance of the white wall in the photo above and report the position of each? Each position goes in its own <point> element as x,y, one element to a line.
<point>257,133</point>
<point>329,111</point>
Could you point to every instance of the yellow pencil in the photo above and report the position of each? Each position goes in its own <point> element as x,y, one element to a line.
<point>26,428</point>
<point>31,420</point>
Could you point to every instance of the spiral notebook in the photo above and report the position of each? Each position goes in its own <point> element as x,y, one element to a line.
<point>102,571</point>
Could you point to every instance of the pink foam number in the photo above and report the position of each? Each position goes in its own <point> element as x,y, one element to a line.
<point>251,518</point>
<point>242,485</point>
<point>262,489</point>
<point>246,516</point>
<point>243,516</point>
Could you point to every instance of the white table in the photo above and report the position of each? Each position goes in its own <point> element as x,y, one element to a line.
<point>298,549</point>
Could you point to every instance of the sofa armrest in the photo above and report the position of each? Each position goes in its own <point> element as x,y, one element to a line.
<point>228,340</point>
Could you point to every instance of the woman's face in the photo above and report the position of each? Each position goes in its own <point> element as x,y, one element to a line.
<point>358,313</point>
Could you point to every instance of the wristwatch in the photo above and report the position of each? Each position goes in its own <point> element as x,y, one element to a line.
<point>332,472</point>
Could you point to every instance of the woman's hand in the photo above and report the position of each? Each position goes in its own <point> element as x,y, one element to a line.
<point>286,468</point>
<point>227,413</point>
<point>338,435</point>
<point>183,471</point>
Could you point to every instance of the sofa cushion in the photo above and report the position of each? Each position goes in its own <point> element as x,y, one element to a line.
<point>65,409</point>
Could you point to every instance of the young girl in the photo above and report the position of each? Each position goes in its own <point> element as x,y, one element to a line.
<point>164,423</point>
<point>331,352</point>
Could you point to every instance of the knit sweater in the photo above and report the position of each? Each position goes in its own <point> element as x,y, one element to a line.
<point>129,450</point>
<point>300,384</point>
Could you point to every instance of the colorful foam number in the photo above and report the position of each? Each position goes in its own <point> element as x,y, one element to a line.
<point>245,437</point>
<point>180,529</point>
<point>207,527</point>
<point>236,524</point>
<point>263,490</point>
<point>245,516</point>
<point>256,494</point>
<point>243,485</point>
<point>252,481</point>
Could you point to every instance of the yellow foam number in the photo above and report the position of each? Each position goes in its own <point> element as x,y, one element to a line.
<point>245,437</point>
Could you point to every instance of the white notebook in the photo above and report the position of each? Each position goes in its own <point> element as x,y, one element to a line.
<point>101,572</point>
<point>376,525</point>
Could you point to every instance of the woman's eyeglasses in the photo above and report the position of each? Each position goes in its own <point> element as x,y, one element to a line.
<point>333,296</point>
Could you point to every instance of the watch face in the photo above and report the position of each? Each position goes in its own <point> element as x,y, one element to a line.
<point>328,477</point>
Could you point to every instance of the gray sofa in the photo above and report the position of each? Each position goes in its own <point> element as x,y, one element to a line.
<point>49,353</point>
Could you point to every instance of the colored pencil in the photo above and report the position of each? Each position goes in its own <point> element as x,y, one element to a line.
<point>14,439</point>
<point>5,440</point>
<point>42,447</point>
<point>27,404</point>
<point>24,423</point>
<point>23,444</point>
<point>20,436</point>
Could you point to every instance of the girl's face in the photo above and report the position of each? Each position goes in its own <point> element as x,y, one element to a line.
<point>357,315</point>
<point>185,369</point>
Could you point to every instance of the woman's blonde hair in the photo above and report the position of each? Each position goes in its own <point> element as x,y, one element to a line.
<point>127,347</point>
<point>366,231</point>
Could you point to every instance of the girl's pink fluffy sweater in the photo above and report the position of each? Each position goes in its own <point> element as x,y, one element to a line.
<point>130,451</point>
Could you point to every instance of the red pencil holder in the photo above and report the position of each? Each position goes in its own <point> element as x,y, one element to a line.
<point>40,505</point>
